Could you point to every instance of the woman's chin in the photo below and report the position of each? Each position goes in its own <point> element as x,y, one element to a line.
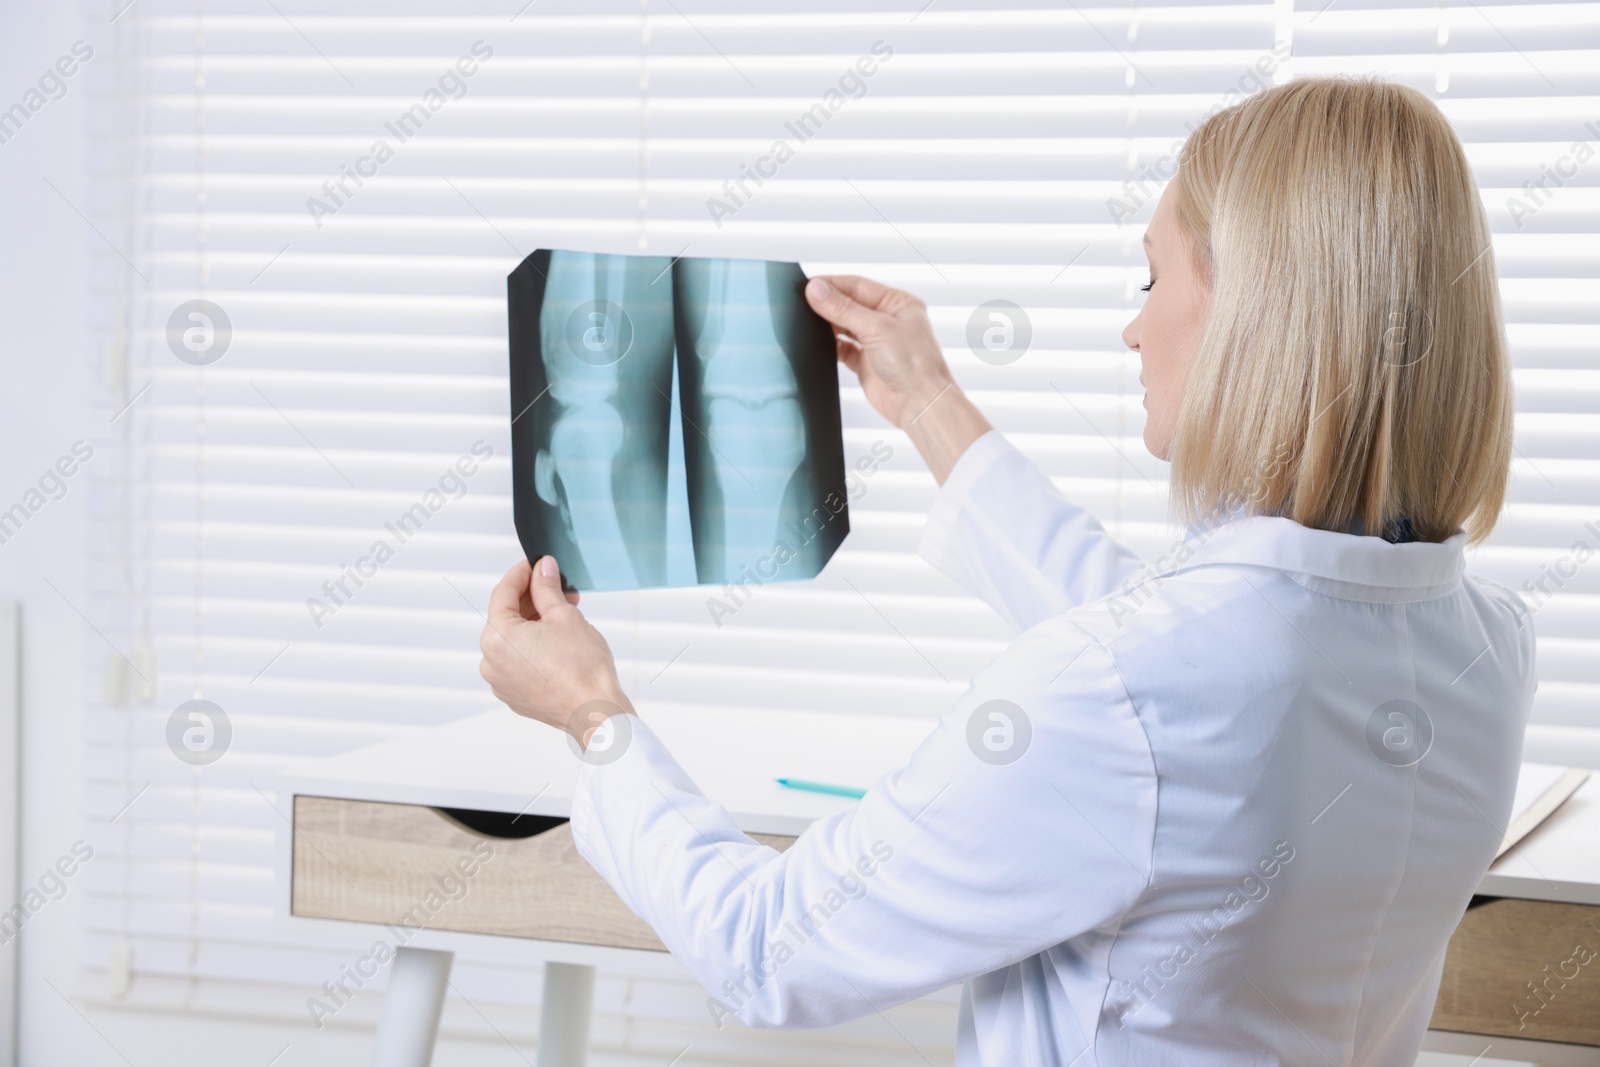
<point>1157,445</point>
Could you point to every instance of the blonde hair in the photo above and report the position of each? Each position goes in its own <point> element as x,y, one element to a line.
<point>1352,371</point>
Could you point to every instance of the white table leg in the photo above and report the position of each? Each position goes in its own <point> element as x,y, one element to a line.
<point>564,1015</point>
<point>417,981</point>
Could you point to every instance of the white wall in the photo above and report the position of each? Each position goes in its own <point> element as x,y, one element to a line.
<point>45,409</point>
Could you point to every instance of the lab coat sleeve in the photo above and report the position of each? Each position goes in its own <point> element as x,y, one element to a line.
<point>953,866</point>
<point>1001,529</point>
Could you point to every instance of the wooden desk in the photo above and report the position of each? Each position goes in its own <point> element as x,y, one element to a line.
<point>1536,906</point>
<point>374,842</point>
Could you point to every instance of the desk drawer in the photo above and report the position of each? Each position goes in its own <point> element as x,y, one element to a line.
<point>416,867</point>
<point>1523,968</point>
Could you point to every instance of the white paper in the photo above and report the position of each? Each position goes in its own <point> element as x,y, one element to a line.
<point>1532,782</point>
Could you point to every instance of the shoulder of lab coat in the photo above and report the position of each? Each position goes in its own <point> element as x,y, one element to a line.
<point>949,867</point>
<point>1002,529</point>
<point>1513,604</point>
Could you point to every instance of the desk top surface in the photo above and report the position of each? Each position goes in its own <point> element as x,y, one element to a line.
<point>497,761</point>
<point>1560,859</point>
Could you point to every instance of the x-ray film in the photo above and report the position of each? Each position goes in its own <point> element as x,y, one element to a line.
<point>675,422</point>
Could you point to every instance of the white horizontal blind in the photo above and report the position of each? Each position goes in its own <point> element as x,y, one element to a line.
<point>978,161</point>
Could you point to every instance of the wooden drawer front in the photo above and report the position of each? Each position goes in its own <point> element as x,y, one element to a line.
<point>415,867</point>
<point>1524,968</point>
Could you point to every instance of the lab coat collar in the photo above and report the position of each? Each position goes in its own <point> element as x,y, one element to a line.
<point>1353,565</point>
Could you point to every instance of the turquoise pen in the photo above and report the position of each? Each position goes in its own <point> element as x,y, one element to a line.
<point>822,787</point>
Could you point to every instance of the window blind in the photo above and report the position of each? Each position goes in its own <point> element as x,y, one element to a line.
<point>356,292</point>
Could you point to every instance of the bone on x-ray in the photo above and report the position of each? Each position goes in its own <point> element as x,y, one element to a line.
<point>674,421</point>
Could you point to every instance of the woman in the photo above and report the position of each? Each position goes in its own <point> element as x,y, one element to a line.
<point>1264,776</point>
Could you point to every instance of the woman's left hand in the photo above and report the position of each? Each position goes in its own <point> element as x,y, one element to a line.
<point>543,658</point>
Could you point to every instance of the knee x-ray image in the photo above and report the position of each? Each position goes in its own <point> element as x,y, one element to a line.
<point>674,421</point>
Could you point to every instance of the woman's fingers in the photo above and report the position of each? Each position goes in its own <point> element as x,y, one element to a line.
<point>547,594</point>
<point>513,599</point>
<point>851,358</point>
<point>505,600</point>
<point>545,669</point>
<point>839,308</point>
<point>848,348</point>
<point>884,336</point>
<point>863,291</point>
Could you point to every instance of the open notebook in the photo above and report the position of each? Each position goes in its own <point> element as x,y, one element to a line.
<point>1541,789</point>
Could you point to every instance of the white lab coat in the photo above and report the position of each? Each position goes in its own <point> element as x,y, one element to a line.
<point>1216,846</point>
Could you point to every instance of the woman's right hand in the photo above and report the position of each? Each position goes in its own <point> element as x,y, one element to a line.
<point>884,335</point>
